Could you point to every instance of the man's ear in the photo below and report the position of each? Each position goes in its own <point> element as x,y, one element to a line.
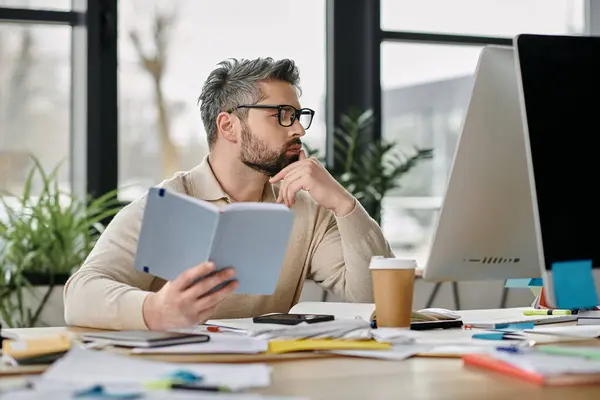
<point>226,126</point>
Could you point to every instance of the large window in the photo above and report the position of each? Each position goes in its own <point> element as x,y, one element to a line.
<point>35,101</point>
<point>488,18</point>
<point>423,104</point>
<point>196,35</point>
<point>426,88</point>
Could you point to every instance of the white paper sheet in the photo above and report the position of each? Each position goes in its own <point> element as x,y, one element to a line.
<point>219,343</point>
<point>241,324</point>
<point>397,353</point>
<point>67,394</point>
<point>339,329</point>
<point>87,367</point>
<point>580,331</point>
<point>457,350</point>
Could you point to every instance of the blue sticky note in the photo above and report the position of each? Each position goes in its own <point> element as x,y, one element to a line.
<point>523,283</point>
<point>517,283</point>
<point>516,327</point>
<point>574,284</point>
<point>536,282</point>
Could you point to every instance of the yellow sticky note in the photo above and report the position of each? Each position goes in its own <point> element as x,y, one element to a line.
<point>287,346</point>
<point>32,347</point>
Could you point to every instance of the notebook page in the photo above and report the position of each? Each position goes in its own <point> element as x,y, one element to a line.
<point>251,241</point>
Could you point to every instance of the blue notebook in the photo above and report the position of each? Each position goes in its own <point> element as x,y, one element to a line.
<point>179,232</point>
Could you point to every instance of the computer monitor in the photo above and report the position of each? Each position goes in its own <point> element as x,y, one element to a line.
<point>485,229</point>
<point>560,78</point>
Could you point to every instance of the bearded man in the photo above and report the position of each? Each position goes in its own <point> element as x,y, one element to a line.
<point>254,124</point>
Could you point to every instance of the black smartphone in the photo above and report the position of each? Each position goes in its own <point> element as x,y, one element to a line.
<point>443,324</point>
<point>292,319</point>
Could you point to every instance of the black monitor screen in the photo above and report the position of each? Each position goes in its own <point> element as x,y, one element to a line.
<point>561,88</point>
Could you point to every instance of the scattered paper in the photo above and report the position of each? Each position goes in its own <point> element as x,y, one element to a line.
<point>343,328</point>
<point>239,324</point>
<point>88,367</point>
<point>455,350</point>
<point>393,335</point>
<point>364,311</point>
<point>67,394</point>
<point>397,353</point>
<point>336,329</point>
<point>578,331</point>
<point>452,337</point>
<point>354,329</point>
<point>219,343</point>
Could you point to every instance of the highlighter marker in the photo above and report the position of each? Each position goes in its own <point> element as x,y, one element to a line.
<point>547,312</point>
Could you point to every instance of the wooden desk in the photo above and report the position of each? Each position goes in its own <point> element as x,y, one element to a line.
<point>416,378</point>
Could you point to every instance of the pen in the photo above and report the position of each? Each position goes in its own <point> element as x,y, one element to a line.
<point>218,329</point>
<point>547,312</point>
<point>509,349</point>
<point>203,388</point>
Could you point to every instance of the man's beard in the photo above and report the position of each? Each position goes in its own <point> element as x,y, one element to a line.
<point>256,155</point>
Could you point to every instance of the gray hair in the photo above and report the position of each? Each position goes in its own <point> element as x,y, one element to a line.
<point>235,82</point>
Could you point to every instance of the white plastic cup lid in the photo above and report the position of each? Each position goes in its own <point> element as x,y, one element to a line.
<point>379,262</point>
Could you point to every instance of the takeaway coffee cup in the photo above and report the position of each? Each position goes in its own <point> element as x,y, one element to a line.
<point>393,286</point>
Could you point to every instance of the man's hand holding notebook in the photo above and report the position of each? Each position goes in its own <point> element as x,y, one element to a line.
<point>181,234</point>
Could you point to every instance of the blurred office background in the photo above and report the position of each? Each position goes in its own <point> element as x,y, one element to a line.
<point>110,87</point>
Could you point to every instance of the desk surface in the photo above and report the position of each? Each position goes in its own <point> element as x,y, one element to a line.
<point>416,378</point>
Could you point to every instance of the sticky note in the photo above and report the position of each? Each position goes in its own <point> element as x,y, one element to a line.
<point>34,347</point>
<point>523,283</point>
<point>516,327</point>
<point>287,346</point>
<point>574,284</point>
<point>489,336</point>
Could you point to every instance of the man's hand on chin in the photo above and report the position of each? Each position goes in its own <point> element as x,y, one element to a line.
<point>308,174</point>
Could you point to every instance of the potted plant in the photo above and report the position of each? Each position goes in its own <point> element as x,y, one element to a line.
<point>368,169</point>
<point>44,237</point>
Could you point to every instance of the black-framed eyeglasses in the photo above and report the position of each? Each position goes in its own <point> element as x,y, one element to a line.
<point>286,114</point>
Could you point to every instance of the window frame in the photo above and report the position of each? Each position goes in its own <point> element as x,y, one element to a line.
<point>93,115</point>
<point>592,27</point>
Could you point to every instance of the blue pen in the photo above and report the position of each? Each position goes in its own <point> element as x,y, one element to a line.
<point>510,349</point>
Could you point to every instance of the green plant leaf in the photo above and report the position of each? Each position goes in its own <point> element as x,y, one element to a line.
<point>369,170</point>
<point>49,232</point>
